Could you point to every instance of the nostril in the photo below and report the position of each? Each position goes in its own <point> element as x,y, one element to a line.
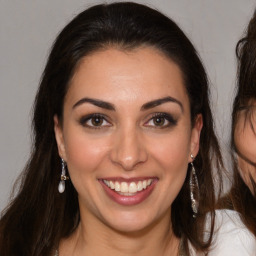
<point>127,150</point>
<point>128,161</point>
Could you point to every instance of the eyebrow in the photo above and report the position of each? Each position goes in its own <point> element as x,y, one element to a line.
<point>109,106</point>
<point>98,103</point>
<point>158,102</point>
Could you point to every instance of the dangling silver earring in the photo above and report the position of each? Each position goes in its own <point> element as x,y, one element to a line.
<point>194,189</point>
<point>63,177</point>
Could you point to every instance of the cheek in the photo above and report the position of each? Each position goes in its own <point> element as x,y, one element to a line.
<point>242,169</point>
<point>246,171</point>
<point>171,157</point>
<point>84,153</point>
<point>172,150</point>
<point>171,154</point>
<point>245,140</point>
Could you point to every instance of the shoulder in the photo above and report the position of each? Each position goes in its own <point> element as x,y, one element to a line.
<point>231,237</point>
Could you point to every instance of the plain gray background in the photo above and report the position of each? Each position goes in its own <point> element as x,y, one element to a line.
<point>28,28</point>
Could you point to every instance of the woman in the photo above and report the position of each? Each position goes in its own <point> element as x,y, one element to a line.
<point>124,144</point>
<point>243,191</point>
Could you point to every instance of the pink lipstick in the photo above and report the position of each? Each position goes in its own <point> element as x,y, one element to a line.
<point>128,191</point>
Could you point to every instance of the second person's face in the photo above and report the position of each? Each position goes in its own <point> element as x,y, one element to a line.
<point>245,142</point>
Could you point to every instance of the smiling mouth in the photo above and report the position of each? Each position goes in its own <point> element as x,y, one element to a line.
<point>128,188</point>
<point>128,192</point>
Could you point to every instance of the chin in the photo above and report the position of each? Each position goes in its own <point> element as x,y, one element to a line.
<point>131,222</point>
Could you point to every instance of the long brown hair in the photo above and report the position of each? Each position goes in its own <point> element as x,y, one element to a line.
<point>38,217</point>
<point>242,199</point>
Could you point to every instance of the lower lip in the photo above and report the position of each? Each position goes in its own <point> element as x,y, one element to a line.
<point>137,198</point>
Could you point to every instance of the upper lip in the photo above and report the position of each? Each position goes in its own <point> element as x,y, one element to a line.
<point>133,179</point>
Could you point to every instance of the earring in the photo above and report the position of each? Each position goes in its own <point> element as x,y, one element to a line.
<point>63,177</point>
<point>194,189</point>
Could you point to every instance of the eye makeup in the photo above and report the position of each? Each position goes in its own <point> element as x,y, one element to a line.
<point>158,120</point>
<point>161,120</point>
<point>94,121</point>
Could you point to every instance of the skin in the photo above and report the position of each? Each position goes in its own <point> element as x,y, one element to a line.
<point>245,141</point>
<point>128,143</point>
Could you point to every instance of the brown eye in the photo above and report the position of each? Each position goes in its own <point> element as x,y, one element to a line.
<point>159,121</point>
<point>97,121</point>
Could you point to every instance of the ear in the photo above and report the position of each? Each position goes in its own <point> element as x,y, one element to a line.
<point>195,136</point>
<point>59,137</point>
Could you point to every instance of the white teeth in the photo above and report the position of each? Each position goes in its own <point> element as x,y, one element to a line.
<point>124,187</point>
<point>117,186</point>
<point>106,182</point>
<point>128,189</point>
<point>112,185</point>
<point>139,186</point>
<point>133,187</point>
<point>144,184</point>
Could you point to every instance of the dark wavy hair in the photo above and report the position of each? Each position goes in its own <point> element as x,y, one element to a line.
<point>38,216</point>
<point>242,199</point>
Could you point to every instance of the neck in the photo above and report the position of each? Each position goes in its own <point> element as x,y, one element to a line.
<point>92,237</point>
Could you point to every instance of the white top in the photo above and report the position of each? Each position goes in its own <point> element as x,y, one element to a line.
<point>231,237</point>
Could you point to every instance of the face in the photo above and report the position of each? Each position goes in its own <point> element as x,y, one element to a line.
<point>126,136</point>
<point>245,141</point>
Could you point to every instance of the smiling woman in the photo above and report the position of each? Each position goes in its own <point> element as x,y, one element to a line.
<point>124,129</point>
<point>120,149</point>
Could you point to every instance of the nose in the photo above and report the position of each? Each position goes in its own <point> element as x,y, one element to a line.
<point>128,149</point>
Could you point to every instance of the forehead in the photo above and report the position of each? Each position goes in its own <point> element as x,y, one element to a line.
<point>140,74</point>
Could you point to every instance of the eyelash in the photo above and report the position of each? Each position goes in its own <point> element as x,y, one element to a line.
<point>167,118</point>
<point>84,121</point>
